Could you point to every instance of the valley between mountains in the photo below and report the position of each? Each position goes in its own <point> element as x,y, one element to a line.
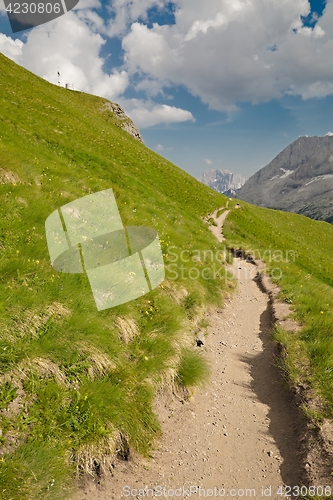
<point>239,434</point>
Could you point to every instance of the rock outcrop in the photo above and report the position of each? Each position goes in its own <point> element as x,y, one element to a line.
<point>126,123</point>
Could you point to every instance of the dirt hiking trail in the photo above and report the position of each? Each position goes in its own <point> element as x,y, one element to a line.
<point>237,433</point>
<point>219,221</point>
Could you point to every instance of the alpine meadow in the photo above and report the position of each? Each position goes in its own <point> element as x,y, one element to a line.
<point>77,385</point>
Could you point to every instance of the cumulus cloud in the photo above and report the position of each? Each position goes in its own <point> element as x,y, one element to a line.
<point>124,12</point>
<point>236,50</point>
<point>147,113</point>
<point>67,44</point>
<point>72,45</point>
<point>11,48</point>
<point>223,51</point>
<point>159,147</point>
<point>208,161</point>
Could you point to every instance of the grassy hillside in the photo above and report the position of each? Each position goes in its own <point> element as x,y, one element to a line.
<point>298,253</point>
<point>76,385</point>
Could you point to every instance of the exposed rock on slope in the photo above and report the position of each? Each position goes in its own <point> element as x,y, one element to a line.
<point>223,181</point>
<point>299,179</point>
<point>127,123</point>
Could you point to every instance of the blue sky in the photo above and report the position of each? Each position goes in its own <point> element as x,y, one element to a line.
<point>219,84</point>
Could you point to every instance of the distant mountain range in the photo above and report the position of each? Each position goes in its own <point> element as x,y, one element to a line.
<point>299,179</point>
<point>223,181</point>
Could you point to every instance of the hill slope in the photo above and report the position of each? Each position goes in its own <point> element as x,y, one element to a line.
<point>299,179</point>
<point>76,384</point>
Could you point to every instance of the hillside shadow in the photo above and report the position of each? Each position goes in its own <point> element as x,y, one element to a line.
<point>287,424</point>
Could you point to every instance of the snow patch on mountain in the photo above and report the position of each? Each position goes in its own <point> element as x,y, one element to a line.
<point>320,178</point>
<point>286,173</point>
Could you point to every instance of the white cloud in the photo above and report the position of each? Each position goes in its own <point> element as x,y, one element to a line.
<point>329,134</point>
<point>203,26</point>
<point>11,48</point>
<point>152,87</point>
<point>226,51</point>
<point>315,32</point>
<point>72,46</point>
<point>147,113</point>
<point>124,12</point>
<point>209,162</point>
<point>160,147</point>
<point>67,44</point>
<point>92,19</point>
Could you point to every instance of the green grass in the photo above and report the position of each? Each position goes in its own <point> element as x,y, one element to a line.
<point>36,472</point>
<point>79,383</point>
<point>220,212</point>
<point>192,369</point>
<point>298,254</point>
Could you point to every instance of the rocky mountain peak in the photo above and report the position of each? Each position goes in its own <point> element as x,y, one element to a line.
<point>222,181</point>
<point>299,179</point>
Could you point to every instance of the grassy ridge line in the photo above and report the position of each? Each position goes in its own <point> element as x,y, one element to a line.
<point>77,384</point>
<point>298,253</point>
<point>45,127</point>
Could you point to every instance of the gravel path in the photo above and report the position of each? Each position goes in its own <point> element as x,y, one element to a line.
<point>238,435</point>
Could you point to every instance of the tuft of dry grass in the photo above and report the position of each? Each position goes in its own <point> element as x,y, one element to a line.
<point>127,328</point>
<point>98,457</point>
<point>21,201</point>
<point>30,322</point>
<point>100,363</point>
<point>43,367</point>
<point>176,293</point>
<point>47,369</point>
<point>8,177</point>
